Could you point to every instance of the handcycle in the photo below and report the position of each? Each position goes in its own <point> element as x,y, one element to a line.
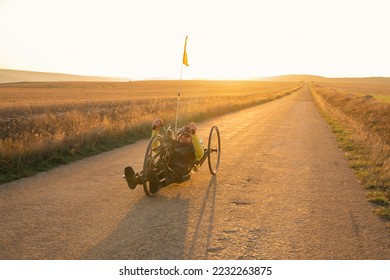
<point>161,146</point>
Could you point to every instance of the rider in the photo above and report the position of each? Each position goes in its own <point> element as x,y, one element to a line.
<point>188,150</point>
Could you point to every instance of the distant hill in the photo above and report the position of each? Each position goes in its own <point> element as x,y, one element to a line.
<point>311,78</point>
<point>295,78</point>
<point>13,76</point>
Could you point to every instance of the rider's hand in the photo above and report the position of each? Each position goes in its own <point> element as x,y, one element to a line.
<point>157,123</point>
<point>193,127</point>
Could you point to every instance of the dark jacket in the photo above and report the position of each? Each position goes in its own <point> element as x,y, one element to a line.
<point>182,159</point>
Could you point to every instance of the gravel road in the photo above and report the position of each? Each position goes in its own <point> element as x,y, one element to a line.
<point>283,191</point>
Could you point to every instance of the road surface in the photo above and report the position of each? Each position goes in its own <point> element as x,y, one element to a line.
<point>283,191</point>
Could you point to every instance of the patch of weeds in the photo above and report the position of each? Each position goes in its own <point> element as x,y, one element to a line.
<point>378,197</point>
<point>367,172</point>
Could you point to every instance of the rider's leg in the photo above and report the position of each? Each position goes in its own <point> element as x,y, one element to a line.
<point>169,178</point>
<point>158,181</point>
<point>165,178</point>
<point>171,175</point>
<point>154,181</point>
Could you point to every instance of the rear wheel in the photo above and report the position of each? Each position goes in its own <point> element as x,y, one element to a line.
<point>154,160</point>
<point>214,147</point>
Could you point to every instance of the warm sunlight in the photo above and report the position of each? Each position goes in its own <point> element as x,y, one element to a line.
<point>227,39</point>
<point>194,138</point>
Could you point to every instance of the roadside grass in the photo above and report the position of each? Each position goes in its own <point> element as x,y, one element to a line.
<point>361,127</point>
<point>43,125</point>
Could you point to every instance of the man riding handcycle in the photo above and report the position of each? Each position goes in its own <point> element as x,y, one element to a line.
<point>170,158</point>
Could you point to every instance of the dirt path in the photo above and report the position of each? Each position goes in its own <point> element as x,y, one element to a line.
<point>283,191</point>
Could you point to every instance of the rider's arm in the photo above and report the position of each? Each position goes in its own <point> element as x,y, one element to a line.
<point>199,150</point>
<point>156,124</point>
<point>154,132</point>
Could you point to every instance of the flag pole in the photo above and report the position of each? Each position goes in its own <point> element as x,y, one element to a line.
<point>184,62</point>
<point>178,98</point>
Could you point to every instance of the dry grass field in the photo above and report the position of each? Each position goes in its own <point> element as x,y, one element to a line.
<point>360,117</point>
<point>381,92</point>
<point>45,124</point>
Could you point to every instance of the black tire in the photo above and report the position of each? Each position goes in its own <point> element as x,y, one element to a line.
<point>214,147</point>
<point>154,158</point>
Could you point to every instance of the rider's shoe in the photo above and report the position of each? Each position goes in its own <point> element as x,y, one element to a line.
<point>132,179</point>
<point>154,187</point>
<point>154,181</point>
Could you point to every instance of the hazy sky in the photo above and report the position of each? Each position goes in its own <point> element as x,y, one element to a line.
<point>141,39</point>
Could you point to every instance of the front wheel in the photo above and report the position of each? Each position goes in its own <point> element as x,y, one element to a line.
<point>214,150</point>
<point>154,159</point>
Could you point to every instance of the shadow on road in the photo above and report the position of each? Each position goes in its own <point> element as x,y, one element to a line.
<point>205,220</point>
<point>156,228</point>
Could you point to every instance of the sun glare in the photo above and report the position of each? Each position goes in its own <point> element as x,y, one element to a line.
<point>227,40</point>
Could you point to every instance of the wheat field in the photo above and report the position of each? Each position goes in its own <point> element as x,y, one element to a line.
<point>50,123</point>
